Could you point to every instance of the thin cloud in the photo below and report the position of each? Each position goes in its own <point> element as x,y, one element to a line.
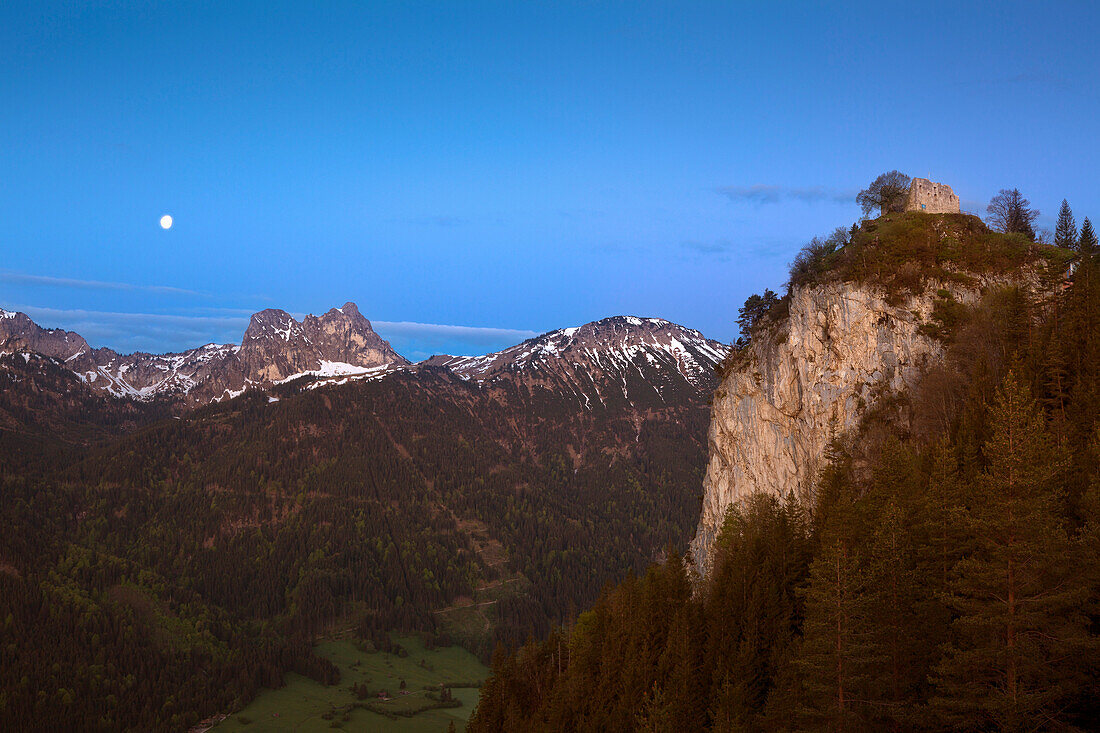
<point>1050,81</point>
<point>446,220</point>
<point>24,278</point>
<point>211,309</point>
<point>412,328</point>
<point>37,312</point>
<point>579,214</point>
<point>767,194</point>
<point>708,248</point>
<point>418,341</point>
<point>164,332</point>
<point>147,332</point>
<point>724,250</point>
<point>440,220</point>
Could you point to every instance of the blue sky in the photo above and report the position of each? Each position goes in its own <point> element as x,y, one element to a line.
<point>507,167</point>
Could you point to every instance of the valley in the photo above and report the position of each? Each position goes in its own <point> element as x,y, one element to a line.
<point>549,367</point>
<point>477,501</point>
<point>378,701</point>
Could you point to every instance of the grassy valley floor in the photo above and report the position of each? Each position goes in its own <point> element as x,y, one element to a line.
<point>305,705</point>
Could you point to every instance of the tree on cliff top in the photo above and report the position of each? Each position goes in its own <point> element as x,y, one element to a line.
<point>755,308</point>
<point>1065,235</point>
<point>886,193</point>
<point>1087,244</point>
<point>1009,212</point>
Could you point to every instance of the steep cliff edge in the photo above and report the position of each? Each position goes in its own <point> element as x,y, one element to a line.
<point>794,389</point>
<point>847,340</point>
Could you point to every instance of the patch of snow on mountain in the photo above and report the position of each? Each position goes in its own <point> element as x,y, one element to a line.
<point>285,333</point>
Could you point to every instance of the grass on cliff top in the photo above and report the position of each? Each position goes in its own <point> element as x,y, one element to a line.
<point>901,252</point>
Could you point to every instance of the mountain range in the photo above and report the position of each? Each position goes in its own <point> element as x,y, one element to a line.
<point>218,508</point>
<point>624,354</point>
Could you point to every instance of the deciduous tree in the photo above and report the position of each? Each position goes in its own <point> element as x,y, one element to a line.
<point>1011,213</point>
<point>886,193</point>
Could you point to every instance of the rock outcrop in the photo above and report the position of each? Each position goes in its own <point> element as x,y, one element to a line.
<point>276,347</point>
<point>19,333</point>
<point>809,378</point>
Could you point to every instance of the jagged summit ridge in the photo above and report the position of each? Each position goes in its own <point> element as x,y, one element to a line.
<point>643,360</point>
<point>624,355</point>
<point>275,348</point>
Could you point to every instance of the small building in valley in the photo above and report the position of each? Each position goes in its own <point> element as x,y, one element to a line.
<point>931,197</point>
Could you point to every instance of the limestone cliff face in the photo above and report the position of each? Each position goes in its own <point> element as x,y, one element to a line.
<point>812,377</point>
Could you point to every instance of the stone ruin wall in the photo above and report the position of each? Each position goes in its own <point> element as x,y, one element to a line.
<point>931,197</point>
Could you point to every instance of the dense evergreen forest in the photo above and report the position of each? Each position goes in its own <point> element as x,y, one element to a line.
<point>157,569</point>
<point>946,575</point>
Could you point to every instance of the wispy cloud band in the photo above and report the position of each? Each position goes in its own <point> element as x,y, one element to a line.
<point>413,328</point>
<point>768,194</point>
<point>158,332</point>
<point>24,278</point>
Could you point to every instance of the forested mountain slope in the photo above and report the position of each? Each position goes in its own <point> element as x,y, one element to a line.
<point>939,571</point>
<point>176,567</point>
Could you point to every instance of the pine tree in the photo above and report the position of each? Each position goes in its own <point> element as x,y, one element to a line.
<point>833,659</point>
<point>1086,243</point>
<point>896,659</point>
<point>681,669</point>
<point>752,607</point>
<point>942,534</point>
<point>1056,378</point>
<point>1065,234</point>
<point>1019,624</point>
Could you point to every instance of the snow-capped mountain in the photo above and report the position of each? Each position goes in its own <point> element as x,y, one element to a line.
<point>637,360</point>
<point>275,348</point>
<point>145,376</point>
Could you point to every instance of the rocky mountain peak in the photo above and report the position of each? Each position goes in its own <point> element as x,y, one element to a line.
<point>643,361</point>
<point>277,347</point>
<point>271,323</point>
<point>622,356</point>
<point>18,328</point>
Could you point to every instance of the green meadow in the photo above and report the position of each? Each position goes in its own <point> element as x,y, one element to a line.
<point>304,705</point>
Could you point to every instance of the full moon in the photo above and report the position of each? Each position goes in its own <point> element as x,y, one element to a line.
<point>166,222</point>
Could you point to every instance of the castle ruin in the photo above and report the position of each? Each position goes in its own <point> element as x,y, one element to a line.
<point>931,197</point>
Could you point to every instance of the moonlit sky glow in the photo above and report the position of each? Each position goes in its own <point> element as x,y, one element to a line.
<point>469,173</point>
